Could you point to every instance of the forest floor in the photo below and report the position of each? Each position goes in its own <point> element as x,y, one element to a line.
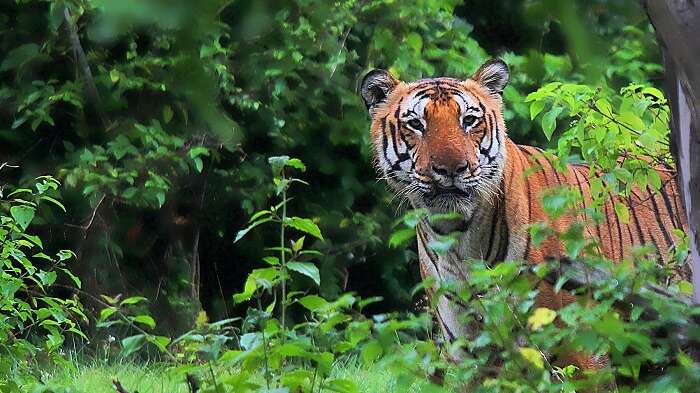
<point>155,378</point>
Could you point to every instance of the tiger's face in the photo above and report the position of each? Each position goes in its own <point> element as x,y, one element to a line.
<point>440,143</point>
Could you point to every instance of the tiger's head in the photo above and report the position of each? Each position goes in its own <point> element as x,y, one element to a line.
<point>439,142</point>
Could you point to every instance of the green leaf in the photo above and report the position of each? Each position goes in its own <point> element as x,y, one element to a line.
<point>652,91</point>
<point>277,163</point>
<point>73,277</point>
<point>54,201</point>
<point>146,320</point>
<point>298,244</point>
<point>549,121</point>
<point>306,268</point>
<point>535,109</point>
<point>296,163</point>
<point>541,317</point>
<point>290,349</point>
<point>114,75</point>
<point>533,356</point>
<point>604,106</point>
<point>167,114</point>
<point>161,342</point>
<point>371,351</point>
<point>132,300</point>
<point>341,386</point>
<point>655,180</point>
<point>198,151</point>
<point>622,212</point>
<point>305,225</point>
<point>258,215</point>
<point>243,232</point>
<point>401,237</point>
<point>23,215</point>
<point>132,344</point>
<point>249,289</point>
<point>47,278</point>
<point>105,313</point>
<point>685,287</point>
<point>632,120</point>
<point>160,196</point>
<point>313,302</point>
<point>198,164</point>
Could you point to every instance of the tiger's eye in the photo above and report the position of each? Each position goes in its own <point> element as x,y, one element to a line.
<point>469,120</point>
<point>415,124</point>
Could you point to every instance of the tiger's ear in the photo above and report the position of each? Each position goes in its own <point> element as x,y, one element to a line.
<point>493,75</point>
<point>376,87</point>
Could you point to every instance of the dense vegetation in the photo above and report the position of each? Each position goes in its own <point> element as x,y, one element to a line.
<point>153,140</point>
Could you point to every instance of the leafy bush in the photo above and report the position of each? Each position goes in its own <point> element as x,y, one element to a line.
<point>160,119</point>
<point>33,320</point>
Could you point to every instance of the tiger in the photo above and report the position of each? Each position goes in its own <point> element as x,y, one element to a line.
<point>442,144</point>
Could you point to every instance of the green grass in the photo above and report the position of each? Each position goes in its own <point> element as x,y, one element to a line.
<point>155,378</point>
<point>96,378</point>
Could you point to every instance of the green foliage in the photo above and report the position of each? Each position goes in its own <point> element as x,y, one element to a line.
<point>163,146</point>
<point>34,321</point>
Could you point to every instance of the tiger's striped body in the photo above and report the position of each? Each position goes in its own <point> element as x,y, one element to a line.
<point>442,144</point>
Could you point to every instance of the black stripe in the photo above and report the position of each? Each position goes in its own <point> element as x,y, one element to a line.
<point>610,235</point>
<point>619,231</point>
<point>671,212</point>
<point>529,210</point>
<point>396,113</point>
<point>556,173</point>
<point>636,223</point>
<point>583,196</point>
<point>409,145</point>
<point>392,127</point>
<point>490,124</point>
<point>659,219</point>
<point>657,250</point>
<point>494,227</point>
<point>457,301</point>
<point>504,240</point>
<point>385,141</point>
<point>447,330</point>
<point>496,132</point>
<point>485,151</point>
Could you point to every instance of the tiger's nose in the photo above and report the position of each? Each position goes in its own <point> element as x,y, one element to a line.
<point>452,170</point>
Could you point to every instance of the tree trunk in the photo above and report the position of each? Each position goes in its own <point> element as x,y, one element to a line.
<point>677,24</point>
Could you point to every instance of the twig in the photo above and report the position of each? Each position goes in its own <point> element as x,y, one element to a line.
<point>87,226</point>
<point>619,123</point>
<point>90,88</point>
<point>192,383</point>
<point>4,164</point>
<point>579,274</point>
<point>342,46</point>
<point>118,386</point>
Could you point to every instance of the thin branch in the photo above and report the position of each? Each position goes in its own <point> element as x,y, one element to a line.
<point>87,225</point>
<point>342,46</point>
<point>632,130</point>
<point>90,87</point>
<point>4,164</point>
<point>118,386</point>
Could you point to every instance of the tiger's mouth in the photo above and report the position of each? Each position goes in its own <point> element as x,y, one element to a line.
<point>449,193</point>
